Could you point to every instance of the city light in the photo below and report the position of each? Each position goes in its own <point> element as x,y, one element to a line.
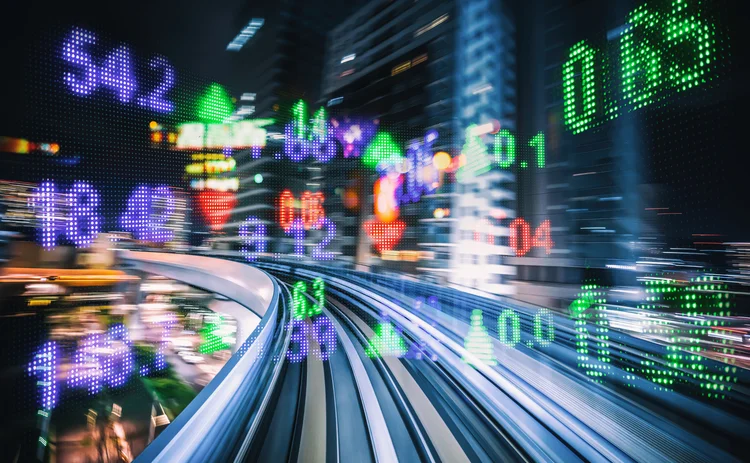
<point>245,34</point>
<point>441,160</point>
<point>399,231</point>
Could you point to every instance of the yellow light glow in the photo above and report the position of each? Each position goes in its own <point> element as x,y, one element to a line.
<point>441,160</point>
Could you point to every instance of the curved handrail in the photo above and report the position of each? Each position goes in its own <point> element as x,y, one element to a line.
<point>212,417</point>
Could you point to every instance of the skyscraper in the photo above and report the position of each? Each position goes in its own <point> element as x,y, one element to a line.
<point>425,70</point>
<point>277,65</point>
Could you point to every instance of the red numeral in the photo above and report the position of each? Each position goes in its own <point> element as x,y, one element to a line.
<point>521,240</point>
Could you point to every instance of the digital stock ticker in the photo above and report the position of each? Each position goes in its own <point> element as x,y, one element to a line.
<point>374,231</point>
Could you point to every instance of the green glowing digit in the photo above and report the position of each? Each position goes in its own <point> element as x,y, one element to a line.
<point>682,26</point>
<point>583,95</point>
<point>642,75</point>
<point>507,158</point>
<point>593,357</point>
<point>515,328</point>
<point>299,115</point>
<point>701,307</point>
<point>320,295</point>
<point>318,129</point>
<point>299,301</point>
<point>538,143</point>
<point>544,317</point>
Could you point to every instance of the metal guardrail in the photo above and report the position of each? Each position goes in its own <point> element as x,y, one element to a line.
<point>213,426</point>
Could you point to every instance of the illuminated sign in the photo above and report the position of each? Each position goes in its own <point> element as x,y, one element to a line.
<point>216,184</point>
<point>100,359</point>
<point>22,146</point>
<point>592,346</point>
<point>312,217</point>
<point>323,332</point>
<point>385,231</point>
<point>211,167</point>
<point>252,233</point>
<point>208,156</point>
<point>386,204</point>
<point>383,150</point>
<point>421,175</point>
<point>215,105</point>
<point>114,74</point>
<point>407,256</point>
<point>504,151</point>
<point>212,339</point>
<point>83,222</point>
<point>303,138</point>
<point>386,342</point>
<point>311,206</point>
<point>240,134</point>
<point>474,151</point>
<point>147,213</point>
<point>44,366</point>
<point>353,135</point>
<point>216,206</point>
<point>300,306</point>
<point>521,240</point>
<point>479,343</point>
<point>699,309</point>
<point>660,51</point>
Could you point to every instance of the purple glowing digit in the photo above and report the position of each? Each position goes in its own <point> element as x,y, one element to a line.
<point>297,230</point>
<point>253,235</point>
<point>155,100</point>
<point>324,333</point>
<point>148,210</point>
<point>118,358</point>
<point>44,204</point>
<point>83,211</point>
<point>299,329</point>
<point>167,324</point>
<point>135,217</point>
<point>324,150</point>
<point>87,368</point>
<point>117,74</point>
<point>74,53</point>
<point>421,178</point>
<point>413,187</point>
<point>296,148</point>
<point>161,208</point>
<point>318,251</point>
<point>323,146</point>
<point>44,366</point>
